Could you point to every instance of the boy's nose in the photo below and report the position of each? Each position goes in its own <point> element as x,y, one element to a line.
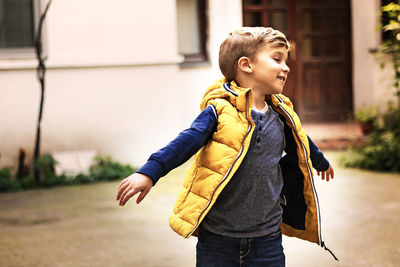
<point>286,69</point>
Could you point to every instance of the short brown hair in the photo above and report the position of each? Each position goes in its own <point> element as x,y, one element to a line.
<point>244,42</point>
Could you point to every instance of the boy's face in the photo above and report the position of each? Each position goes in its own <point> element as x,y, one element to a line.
<point>269,69</point>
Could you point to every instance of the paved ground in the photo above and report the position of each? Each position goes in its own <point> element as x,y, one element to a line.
<point>83,226</point>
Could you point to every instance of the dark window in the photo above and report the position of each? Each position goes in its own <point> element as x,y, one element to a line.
<point>192,30</point>
<point>16,24</point>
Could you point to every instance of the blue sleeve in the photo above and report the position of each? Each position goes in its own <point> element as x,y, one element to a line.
<point>318,160</point>
<point>183,147</point>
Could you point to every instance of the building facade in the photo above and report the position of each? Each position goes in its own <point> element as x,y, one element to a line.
<point>123,78</point>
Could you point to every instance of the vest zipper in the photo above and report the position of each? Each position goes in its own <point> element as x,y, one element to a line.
<point>226,175</point>
<point>309,172</point>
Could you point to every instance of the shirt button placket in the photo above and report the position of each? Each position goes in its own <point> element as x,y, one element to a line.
<point>260,117</point>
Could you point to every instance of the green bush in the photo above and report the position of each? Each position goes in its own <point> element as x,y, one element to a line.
<point>104,169</point>
<point>27,182</point>
<point>391,119</point>
<point>83,179</point>
<point>382,153</point>
<point>7,182</point>
<point>381,156</point>
<point>367,115</point>
<point>107,169</point>
<point>46,164</point>
<point>5,176</point>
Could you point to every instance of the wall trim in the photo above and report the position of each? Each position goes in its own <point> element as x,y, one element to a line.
<point>32,64</point>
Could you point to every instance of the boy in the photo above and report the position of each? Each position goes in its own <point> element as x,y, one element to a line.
<point>240,193</point>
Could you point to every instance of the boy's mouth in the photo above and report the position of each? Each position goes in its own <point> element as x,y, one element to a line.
<point>283,78</point>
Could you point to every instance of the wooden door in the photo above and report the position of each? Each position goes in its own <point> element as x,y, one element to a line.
<point>319,30</point>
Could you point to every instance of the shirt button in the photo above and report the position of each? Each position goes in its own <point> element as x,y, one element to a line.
<point>260,128</point>
<point>258,140</point>
<point>261,118</point>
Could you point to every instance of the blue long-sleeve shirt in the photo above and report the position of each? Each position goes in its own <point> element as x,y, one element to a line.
<point>189,141</point>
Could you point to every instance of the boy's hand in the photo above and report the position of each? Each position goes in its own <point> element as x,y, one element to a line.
<point>132,185</point>
<point>328,174</point>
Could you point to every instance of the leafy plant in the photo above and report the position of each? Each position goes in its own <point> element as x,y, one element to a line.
<point>107,169</point>
<point>83,179</point>
<point>392,45</point>
<point>383,150</point>
<point>391,119</point>
<point>367,119</point>
<point>5,179</point>
<point>104,168</point>
<point>46,165</point>
<point>27,182</point>
<point>383,154</point>
<point>367,115</point>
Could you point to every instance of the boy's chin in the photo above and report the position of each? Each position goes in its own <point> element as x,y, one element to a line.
<point>277,91</point>
<point>274,90</point>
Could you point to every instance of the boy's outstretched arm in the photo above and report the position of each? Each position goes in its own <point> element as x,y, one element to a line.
<point>179,150</point>
<point>132,185</point>
<point>320,163</point>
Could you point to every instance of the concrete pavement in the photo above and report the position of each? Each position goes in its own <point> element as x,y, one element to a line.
<point>84,226</point>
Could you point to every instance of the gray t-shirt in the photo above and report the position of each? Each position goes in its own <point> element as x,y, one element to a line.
<point>249,206</point>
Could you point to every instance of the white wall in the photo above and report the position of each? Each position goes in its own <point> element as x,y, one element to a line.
<point>19,101</point>
<point>113,84</point>
<point>371,84</point>
<point>112,32</point>
<point>224,16</point>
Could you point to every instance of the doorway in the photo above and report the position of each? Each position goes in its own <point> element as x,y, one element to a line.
<point>320,83</point>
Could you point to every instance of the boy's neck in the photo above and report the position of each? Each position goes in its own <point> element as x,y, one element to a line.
<point>258,97</point>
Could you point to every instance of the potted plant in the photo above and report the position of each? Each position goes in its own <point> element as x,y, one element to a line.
<point>367,119</point>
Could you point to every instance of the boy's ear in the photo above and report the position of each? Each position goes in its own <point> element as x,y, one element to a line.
<point>244,64</point>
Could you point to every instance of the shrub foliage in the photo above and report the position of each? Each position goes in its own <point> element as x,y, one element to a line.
<point>104,169</point>
<point>382,153</point>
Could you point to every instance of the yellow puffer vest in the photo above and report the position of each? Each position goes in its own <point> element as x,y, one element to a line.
<point>215,164</point>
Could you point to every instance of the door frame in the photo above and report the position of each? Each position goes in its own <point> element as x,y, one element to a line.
<point>295,82</point>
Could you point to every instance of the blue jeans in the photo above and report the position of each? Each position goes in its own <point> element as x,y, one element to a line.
<point>216,250</point>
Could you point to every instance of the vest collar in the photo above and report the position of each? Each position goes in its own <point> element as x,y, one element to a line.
<point>238,95</point>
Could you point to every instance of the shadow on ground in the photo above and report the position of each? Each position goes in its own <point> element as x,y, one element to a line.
<point>84,226</point>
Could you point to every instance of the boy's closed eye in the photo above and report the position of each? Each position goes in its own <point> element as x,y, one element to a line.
<point>279,57</point>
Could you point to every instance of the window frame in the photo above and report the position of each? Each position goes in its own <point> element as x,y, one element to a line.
<point>25,52</point>
<point>201,58</point>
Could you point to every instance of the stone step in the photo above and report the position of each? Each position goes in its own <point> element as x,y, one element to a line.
<point>336,135</point>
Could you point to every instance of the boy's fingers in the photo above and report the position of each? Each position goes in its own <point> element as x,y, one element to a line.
<point>128,194</point>
<point>126,197</point>
<point>142,195</point>
<point>123,182</point>
<point>329,174</point>
<point>124,193</point>
<point>121,189</point>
